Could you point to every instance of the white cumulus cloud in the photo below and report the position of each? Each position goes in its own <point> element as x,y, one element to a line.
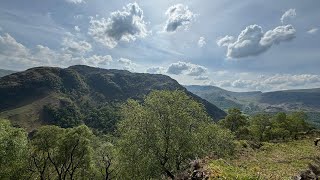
<point>127,64</point>
<point>14,55</point>
<point>76,28</point>
<point>289,14</point>
<point>178,15</point>
<point>253,41</point>
<point>75,1</point>
<point>126,25</point>
<point>186,68</point>
<point>313,30</point>
<point>156,70</point>
<point>96,60</point>
<point>225,41</point>
<point>202,42</point>
<point>201,78</point>
<point>70,45</point>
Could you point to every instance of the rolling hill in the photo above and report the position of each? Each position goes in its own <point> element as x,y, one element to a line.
<point>24,95</point>
<point>307,100</point>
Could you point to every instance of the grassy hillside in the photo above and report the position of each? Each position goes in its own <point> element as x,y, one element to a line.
<point>23,95</point>
<point>271,161</point>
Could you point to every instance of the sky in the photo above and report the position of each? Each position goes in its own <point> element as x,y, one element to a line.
<point>247,45</point>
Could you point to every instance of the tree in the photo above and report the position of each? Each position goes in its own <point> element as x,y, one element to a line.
<point>297,123</point>
<point>159,136</point>
<point>103,119</point>
<point>66,116</point>
<point>260,126</point>
<point>264,127</point>
<point>216,140</point>
<point>44,144</point>
<point>235,121</point>
<point>105,158</point>
<point>13,150</point>
<point>67,153</point>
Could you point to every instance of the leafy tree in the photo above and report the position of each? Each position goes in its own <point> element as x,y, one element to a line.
<point>216,140</point>
<point>264,127</point>
<point>159,136</point>
<point>44,144</point>
<point>13,150</point>
<point>235,121</point>
<point>105,158</point>
<point>62,153</point>
<point>103,119</point>
<point>66,116</point>
<point>297,123</point>
<point>260,126</point>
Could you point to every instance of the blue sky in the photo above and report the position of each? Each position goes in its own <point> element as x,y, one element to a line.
<point>237,45</point>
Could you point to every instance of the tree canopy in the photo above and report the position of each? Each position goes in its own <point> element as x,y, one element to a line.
<point>160,135</point>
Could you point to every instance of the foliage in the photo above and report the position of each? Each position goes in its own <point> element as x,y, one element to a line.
<point>66,116</point>
<point>281,126</point>
<point>160,135</point>
<point>61,153</point>
<point>13,150</point>
<point>216,140</point>
<point>235,121</point>
<point>105,158</point>
<point>266,127</point>
<point>102,119</point>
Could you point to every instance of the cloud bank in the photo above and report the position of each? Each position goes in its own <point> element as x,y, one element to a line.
<point>15,56</point>
<point>253,41</point>
<point>274,82</point>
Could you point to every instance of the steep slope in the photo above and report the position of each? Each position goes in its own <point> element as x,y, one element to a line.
<point>23,95</point>
<point>4,72</point>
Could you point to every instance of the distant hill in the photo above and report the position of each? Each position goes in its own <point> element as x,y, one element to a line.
<point>307,100</point>
<point>4,72</point>
<point>23,95</point>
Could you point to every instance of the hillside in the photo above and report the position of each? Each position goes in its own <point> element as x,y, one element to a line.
<point>272,161</point>
<point>4,72</point>
<point>253,102</point>
<point>24,95</point>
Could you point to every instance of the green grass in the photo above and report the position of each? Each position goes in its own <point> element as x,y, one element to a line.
<point>272,161</point>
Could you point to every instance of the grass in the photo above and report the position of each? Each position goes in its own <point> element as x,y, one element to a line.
<point>272,161</point>
<point>29,115</point>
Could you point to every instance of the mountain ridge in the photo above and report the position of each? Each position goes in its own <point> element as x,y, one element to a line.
<point>26,93</point>
<point>256,101</point>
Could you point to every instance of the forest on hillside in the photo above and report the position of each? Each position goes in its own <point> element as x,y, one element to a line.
<point>155,138</point>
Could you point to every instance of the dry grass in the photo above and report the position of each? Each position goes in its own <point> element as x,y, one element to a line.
<point>29,116</point>
<point>272,161</point>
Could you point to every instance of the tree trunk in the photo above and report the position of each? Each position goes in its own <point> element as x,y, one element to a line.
<point>169,174</point>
